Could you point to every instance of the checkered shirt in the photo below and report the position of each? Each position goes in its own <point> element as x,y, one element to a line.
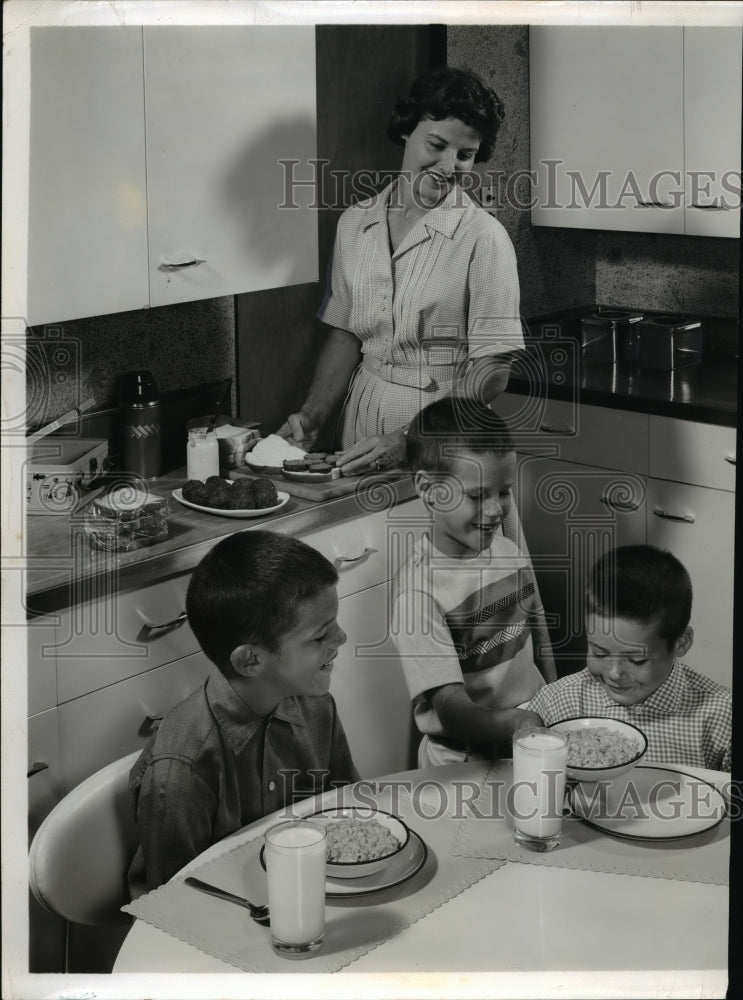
<point>449,293</point>
<point>687,720</point>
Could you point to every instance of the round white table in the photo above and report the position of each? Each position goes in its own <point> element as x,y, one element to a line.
<point>595,930</point>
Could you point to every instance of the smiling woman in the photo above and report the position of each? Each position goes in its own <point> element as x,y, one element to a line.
<point>423,293</point>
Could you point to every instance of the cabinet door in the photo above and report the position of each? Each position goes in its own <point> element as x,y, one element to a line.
<point>42,664</point>
<point>45,787</point>
<point>688,452</point>
<point>712,132</point>
<point>369,687</point>
<point>87,233</point>
<point>606,109</point>
<point>570,514</point>
<point>698,526</point>
<point>224,107</point>
<point>102,726</point>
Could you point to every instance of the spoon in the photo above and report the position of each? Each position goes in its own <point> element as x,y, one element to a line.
<point>258,913</point>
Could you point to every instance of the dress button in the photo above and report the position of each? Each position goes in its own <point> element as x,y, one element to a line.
<point>272,786</point>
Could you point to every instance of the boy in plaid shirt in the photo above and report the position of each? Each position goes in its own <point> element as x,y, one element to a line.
<point>638,606</point>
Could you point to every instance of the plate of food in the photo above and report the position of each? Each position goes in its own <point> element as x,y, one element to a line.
<point>269,454</point>
<point>601,748</point>
<point>651,803</point>
<point>243,498</point>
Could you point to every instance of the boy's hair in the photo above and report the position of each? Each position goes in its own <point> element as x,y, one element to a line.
<point>447,92</point>
<point>643,583</point>
<point>443,430</point>
<point>249,587</point>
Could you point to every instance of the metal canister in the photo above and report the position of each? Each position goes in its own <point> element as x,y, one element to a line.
<point>139,405</point>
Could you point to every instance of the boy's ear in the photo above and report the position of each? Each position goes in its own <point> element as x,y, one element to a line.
<point>684,642</point>
<point>423,483</point>
<point>245,661</point>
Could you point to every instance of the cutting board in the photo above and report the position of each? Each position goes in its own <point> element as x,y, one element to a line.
<point>321,491</point>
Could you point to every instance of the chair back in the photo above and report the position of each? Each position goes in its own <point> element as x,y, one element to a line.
<point>81,852</point>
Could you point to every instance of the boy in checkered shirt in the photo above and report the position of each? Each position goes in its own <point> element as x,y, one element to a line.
<point>638,606</point>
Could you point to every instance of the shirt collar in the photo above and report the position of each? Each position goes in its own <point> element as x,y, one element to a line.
<point>444,218</point>
<point>665,700</point>
<point>236,718</point>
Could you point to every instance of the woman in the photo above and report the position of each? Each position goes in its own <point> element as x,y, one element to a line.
<point>423,295</point>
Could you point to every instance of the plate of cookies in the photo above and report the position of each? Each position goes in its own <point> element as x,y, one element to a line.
<point>225,498</point>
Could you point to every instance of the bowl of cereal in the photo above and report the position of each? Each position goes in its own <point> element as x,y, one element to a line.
<point>361,840</point>
<point>601,749</point>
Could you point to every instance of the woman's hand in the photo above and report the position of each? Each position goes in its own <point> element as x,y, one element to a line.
<point>299,429</point>
<point>380,451</point>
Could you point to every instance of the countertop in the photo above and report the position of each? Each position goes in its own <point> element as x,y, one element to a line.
<point>552,366</point>
<point>63,569</point>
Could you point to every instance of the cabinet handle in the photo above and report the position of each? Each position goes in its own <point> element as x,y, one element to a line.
<point>655,204</point>
<point>146,632</point>
<point>172,266</point>
<point>620,504</point>
<point>38,765</point>
<point>553,429</point>
<point>730,458</point>
<point>337,562</point>
<point>688,518</point>
<point>717,205</point>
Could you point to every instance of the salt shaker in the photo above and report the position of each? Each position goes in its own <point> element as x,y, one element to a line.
<point>202,454</point>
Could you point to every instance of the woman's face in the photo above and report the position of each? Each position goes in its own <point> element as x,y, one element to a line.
<point>437,152</point>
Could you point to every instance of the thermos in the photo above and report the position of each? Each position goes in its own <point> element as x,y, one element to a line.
<point>139,406</point>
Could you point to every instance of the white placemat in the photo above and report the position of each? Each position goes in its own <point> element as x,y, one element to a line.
<point>487,832</point>
<point>353,926</point>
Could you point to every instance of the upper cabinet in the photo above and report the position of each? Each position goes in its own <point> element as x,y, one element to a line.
<point>166,165</point>
<point>636,128</point>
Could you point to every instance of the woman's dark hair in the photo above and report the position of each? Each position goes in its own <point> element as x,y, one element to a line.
<point>642,583</point>
<point>451,426</point>
<point>249,588</point>
<point>450,93</point>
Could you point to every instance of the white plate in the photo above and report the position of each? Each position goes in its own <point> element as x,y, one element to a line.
<point>283,498</point>
<point>650,803</point>
<point>402,868</point>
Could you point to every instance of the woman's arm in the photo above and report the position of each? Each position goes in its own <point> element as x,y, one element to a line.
<point>338,359</point>
<point>484,379</point>
<point>464,720</point>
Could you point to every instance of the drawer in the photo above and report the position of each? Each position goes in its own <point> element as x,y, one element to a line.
<point>102,726</point>
<point>688,452</point>
<point>44,779</point>
<point>41,637</point>
<point>103,641</point>
<point>591,435</point>
<point>366,550</point>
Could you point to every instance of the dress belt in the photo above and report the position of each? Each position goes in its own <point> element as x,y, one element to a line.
<point>426,377</point>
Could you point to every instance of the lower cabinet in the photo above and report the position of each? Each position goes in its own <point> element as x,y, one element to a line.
<point>369,687</point>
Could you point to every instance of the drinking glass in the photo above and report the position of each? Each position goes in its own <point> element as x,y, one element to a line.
<point>295,866</point>
<point>539,765</point>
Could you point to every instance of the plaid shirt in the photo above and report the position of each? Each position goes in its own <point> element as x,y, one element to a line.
<point>213,766</point>
<point>687,720</point>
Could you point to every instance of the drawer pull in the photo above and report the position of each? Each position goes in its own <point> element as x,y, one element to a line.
<point>38,765</point>
<point>149,724</point>
<point>339,560</point>
<point>620,504</point>
<point>688,518</point>
<point>168,266</point>
<point>552,429</point>
<point>656,204</point>
<point>730,458</point>
<point>147,630</point>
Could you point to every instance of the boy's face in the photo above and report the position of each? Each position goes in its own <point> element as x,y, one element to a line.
<point>630,658</point>
<point>468,505</point>
<point>304,661</point>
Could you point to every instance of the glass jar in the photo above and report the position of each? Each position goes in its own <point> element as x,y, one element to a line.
<point>202,454</point>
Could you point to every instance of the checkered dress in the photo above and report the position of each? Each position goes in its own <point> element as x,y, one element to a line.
<point>687,720</point>
<point>448,294</point>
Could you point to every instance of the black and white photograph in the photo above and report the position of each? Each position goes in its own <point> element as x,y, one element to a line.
<point>369,441</point>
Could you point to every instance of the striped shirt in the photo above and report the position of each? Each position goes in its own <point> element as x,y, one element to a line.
<point>449,293</point>
<point>466,621</point>
<point>687,720</point>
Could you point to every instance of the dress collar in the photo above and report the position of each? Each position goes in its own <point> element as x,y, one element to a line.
<point>236,718</point>
<point>444,218</point>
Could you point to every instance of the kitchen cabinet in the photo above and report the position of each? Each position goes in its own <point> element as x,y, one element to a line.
<point>712,130</point>
<point>155,165</point>
<point>581,490</point>
<point>623,117</point>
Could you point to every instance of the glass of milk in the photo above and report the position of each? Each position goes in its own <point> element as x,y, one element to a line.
<point>540,759</point>
<point>202,454</point>
<point>295,866</point>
